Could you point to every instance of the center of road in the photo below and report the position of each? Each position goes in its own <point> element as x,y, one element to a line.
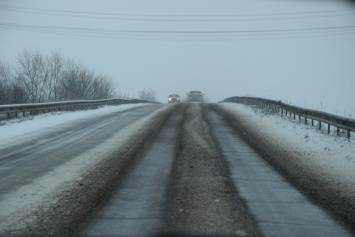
<point>137,208</point>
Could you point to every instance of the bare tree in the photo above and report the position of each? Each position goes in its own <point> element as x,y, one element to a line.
<point>5,82</point>
<point>36,78</point>
<point>69,85</point>
<point>142,94</point>
<point>33,73</point>
<point>102,87</point>
<point>11,92</point>
<point>147,95</point>
<point>122,95</point>
<point>18,95</point>
<point>56,64</point>
<point>5,71</point>
<point>85,80</point>
<point>78,82</point>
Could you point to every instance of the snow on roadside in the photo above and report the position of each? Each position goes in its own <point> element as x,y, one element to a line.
<point>18,206</point>
<point>15,128</point>
<point>334,154</point>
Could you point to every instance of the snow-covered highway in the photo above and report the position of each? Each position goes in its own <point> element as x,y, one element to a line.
<point>42,159</point>
<point>188,169</point>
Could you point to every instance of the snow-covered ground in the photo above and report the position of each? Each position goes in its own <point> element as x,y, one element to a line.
<point>334,155</point>
<point>15,128</point>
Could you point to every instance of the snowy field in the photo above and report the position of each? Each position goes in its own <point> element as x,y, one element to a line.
<point>335,155</point>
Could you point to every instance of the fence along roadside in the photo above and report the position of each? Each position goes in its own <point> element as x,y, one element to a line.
<point>340,123</point>
<point>15,111</point>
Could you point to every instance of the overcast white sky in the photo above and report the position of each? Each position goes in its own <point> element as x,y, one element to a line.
<point>300,51</point>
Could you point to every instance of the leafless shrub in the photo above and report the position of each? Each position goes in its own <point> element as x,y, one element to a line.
<point>147,95</point>
<point>122,95</point>
<point>5,82</point>
<point>36,78</point>
<point>32,73</point>
<point>56,64</point>
<point>11,92</point>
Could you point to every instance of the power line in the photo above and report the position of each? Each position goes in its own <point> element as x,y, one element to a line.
<point>162,15</point>
<point>167,18</point>
<point>174,33</point>
<point>108,33</point>
<point>139,36</point>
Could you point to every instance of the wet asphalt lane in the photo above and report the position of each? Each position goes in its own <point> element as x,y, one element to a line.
<point>137,208</point>
<point>278,208</point>
<point>41,152</point>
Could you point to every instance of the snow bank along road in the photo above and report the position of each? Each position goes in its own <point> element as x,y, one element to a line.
<point>165,170</point>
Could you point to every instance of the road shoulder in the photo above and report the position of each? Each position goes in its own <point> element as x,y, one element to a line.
<point>310,179</point>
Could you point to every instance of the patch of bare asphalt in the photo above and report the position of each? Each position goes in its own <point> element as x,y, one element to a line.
<point>203,201</point>
<point>313,183</point>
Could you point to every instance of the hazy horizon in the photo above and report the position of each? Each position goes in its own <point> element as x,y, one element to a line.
<point>300,52</point>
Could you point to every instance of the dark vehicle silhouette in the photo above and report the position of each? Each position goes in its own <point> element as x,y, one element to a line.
<point>195,96</point>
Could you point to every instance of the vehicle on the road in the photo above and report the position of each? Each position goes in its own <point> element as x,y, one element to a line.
<point>173,98</point>
<point>195,96</point>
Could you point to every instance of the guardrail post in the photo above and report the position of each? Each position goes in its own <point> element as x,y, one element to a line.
<point>328,128</point>
<point>320,125</point>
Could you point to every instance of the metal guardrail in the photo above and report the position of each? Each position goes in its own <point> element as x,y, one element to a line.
<point>338,122</point>
<point>22,110</point>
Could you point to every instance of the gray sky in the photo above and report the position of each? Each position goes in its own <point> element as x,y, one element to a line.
<point>301,52</point>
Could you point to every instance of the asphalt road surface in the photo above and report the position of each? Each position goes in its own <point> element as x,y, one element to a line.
<point>25,160</point>
<point>184,171</point>
<point>137,208</point>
